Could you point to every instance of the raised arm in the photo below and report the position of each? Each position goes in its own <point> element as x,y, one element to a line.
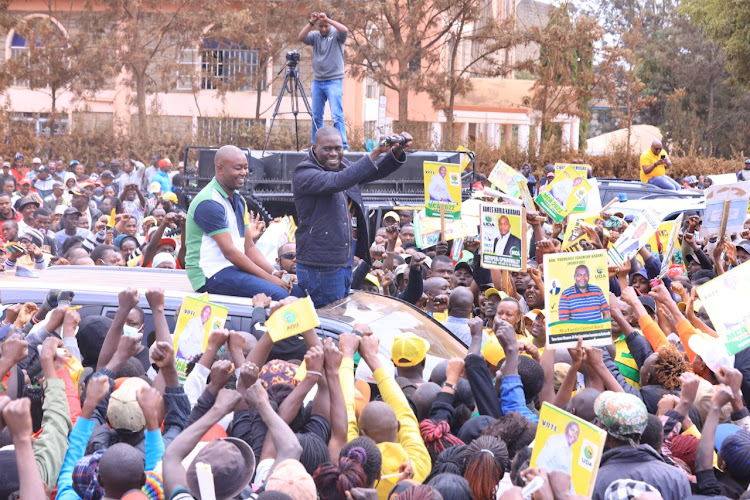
<point>302,37</point>
<point>127,299</point>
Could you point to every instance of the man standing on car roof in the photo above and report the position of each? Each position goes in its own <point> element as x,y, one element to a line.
<point>332,225</point>
<point>221,256</point>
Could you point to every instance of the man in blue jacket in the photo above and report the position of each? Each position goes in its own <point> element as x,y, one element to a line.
<point>332,226</point>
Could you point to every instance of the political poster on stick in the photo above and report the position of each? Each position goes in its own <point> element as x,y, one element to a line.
<point>574,233</point>
<point>198,317</point>
<point>577,297</point>
<point>442,189</point>
<point>725,300</point>
<point>503,237</point>
<point>635,237</point>
<point>566,443</point>
<point>506,178</point>
<point>562,195</point>
<point>737,196</point>
<point>427,229</point>
<point>670,244</point>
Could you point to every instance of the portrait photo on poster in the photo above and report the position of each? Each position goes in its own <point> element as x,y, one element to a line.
<point>503,237</point>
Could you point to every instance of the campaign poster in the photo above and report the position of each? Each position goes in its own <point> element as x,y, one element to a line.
<point>725,300</point>
<point>635,237</point>
<point>442,187</point>
<point>738,195</point>
<point>593,196</point>
<point>566,443</point>
<point>196,321</point>
<point>574,233</point>
<point>577,297</point>
<point>427,229</point>
<point>528,200</point>
<point>562,195</point>
<point>506,179</point>
<point>503,237</point>
<point>670,245</point>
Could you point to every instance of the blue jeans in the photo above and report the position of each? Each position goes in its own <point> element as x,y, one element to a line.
<point>233,281</point>
<point>324,285</point>
<point>333,92</point>
<point>664,182</point>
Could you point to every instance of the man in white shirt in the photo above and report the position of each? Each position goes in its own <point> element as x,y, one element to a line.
<point>438,188</point>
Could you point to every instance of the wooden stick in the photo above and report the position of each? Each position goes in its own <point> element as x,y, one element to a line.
<point>724,220</point>
<point>611,202</point>
<point>442,221</point>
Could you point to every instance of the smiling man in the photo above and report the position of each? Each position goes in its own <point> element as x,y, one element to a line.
<point>332,226</point>
<point>221,256</point>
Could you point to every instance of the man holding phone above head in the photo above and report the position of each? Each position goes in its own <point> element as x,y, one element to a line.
<point>328,69</point>
<point>654,163</point>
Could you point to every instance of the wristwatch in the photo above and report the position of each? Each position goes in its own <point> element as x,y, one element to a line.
<point>448,384</point>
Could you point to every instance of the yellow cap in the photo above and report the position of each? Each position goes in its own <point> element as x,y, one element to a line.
<point>492,351</point>
<point>170,196</point>
<point>393,215</point>
<point>409,350</point>
<point>495,291</point>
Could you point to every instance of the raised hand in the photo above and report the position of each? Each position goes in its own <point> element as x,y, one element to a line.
<point>256,396</point>
<point>128,298</point>
<point>227,399</point>
<point>249,374</point>
<point>17,418</point>
<point>689,386</point>
<point>15,349</point>
<point>97,389</point>
<point>261,300</point>
<point>155,298</point>
<point>333,356</point>
<point>217,338</point>
<point>348,343</point>
<point>454,369</point>
<point>150,401</point>
<point>314,359</point>
<point>163,355</point>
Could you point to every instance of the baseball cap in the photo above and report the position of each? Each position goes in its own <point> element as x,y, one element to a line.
<point>43,168</point>
<point>622,415</point>
<point>36,161</point>
<point>711,350</point>
<point>123,411</point>
<point>170,196</point>
<point>6,164</point>
<point>648,302</point>
<point>744,245</point>
<point>493,291</point>
<point>409,350</point>
<point>401,269</point>
<point>290,477</point>
<point>464,265</point>
<point>25,181</point>
<point>492,351</point>
<point>747,161</point>
<point>107,173</point>
<point>27,200</point>
<point>168,241</point>
<point>392,215</point>
<point>232,464</point>
<point>18,156</point>
<point>154,187</point>
<point>76,191</point>
<point>34,236</point>
<point>71,211</point>
<point>691,179</point>
<point>58,185</point>
<point>73,163</point>
<point>723,431</point>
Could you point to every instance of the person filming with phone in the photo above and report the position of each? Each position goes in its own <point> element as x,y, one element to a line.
<point>654,163</point>
<point>328,69</point>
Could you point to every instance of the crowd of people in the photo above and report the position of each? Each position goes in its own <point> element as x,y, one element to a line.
<point>94,407</point>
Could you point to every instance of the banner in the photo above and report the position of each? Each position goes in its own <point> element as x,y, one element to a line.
<point>292,319</point>
<point>442,186</point>
<point>505,178</point>
<point>569,444</point>
<point>635,237</point>
<point>427,229</point>
<point>577,297</point>
<point>725,300</point>
<point>574,234</point>
<point>503,236</point>
<point>738,195</point>
<point>670,245</point>
<point>562,195</point>
<point>196,320</point>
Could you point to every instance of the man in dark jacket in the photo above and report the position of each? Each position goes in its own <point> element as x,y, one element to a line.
<point>332,226</point>
<point>624,418</point>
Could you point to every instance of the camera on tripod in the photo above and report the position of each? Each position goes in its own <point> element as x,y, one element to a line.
<point>292,58</point>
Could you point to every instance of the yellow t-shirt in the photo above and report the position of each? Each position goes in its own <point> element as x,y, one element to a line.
<point>649,158</point>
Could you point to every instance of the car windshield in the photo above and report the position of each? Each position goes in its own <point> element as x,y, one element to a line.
<point>388,317</point>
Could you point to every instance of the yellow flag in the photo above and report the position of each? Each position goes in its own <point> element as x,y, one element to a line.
<point>292,319</point>
<point>111,221</point>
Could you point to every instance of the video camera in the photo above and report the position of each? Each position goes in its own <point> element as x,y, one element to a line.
<point>292,58</point>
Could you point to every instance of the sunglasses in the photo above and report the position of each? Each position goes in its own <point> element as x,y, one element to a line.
<point>288,256</point>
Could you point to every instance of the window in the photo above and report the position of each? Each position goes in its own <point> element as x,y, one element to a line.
<point>19,51</point>
<point>32,67</point>
<point>229,64</point>
<point>372,91</point>
<point>41,123</point>
<point>225,130</point>
<point>186,60</point>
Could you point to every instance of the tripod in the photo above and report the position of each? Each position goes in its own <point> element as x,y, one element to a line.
<point>292,85</point>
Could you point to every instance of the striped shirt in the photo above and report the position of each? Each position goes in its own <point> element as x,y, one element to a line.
<point>577,305</point>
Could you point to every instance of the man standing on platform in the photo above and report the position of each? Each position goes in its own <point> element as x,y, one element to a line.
<point>328,68</point>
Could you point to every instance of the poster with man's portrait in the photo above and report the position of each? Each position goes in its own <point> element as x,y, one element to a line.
<point>576,288</point>
<point>503,236</point>
<point>635,237</point>
<point>442,188</point>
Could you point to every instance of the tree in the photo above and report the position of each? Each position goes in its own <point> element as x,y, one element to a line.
<point>397,42</point>
<point>726,22</point>
<point>486,41</point>
<point>47,60</point>
<point>563,71</point>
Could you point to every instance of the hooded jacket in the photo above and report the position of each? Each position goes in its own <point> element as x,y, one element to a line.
<point>641,464</point>
<point>321,196</point>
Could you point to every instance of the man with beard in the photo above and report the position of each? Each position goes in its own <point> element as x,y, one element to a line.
<point>287,259</point>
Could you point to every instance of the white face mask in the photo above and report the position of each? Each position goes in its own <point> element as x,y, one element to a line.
<point>131,331</point>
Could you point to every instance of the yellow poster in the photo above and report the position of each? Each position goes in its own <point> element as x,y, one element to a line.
<point>725,300</point>
<point>427,229</point>
<point>577,297</point>
<point>196,321</point>
<point>574,234</point>
<point>528,200</point>
<point>292,319</point>
<point>635,237</point>
<point>566,443</point>
<point>562,195</point>
<point>506,179</point>
<point>503,232</point>
<point>442,187</point>
<point>466,155</point>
